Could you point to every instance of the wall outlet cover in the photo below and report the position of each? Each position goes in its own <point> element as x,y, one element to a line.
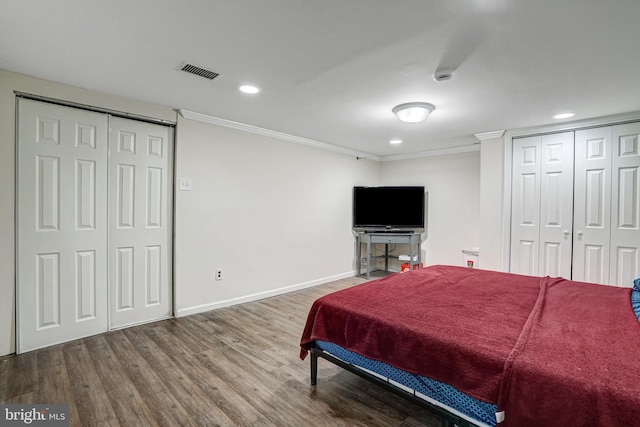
<point>184,184</point>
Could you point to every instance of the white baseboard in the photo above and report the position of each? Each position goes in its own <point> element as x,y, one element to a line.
<point>260,295</point>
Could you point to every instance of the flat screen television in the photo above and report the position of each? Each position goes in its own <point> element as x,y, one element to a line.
<point>389,208</point>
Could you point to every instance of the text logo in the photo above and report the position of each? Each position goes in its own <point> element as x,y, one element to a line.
<point>34,415</point>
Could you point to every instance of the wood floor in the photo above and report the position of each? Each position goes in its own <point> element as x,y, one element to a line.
<point>236,366</point>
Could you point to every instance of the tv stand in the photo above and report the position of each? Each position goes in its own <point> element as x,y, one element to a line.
<point>390,230</point>
<point>369,238</point>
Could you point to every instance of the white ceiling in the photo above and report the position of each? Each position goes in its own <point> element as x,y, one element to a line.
<point>332,70</point>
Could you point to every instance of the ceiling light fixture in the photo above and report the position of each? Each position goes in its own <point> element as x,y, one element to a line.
<point>395,141</point>
<point>249,89</point>
<point>413,112</point>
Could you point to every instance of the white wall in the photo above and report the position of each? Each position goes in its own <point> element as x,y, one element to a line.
<point>453,183</point>
<point>273,215</point>
<point>492,216</point>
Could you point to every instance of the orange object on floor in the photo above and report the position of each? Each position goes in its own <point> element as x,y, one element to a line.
<point>405,267</point>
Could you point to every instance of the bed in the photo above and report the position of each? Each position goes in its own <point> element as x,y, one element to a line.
<point>486,348</point>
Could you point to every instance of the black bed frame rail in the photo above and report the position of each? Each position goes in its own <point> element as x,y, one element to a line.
<point>448,419</point>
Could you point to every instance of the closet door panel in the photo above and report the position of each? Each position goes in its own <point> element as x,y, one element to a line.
<point>592,205</point>
<point>140,222</point>
<point>525,225</point>
<point>62,224</point>
<point>625,205</point>
<point>556,209</point>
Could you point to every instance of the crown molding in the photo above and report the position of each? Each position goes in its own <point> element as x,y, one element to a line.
<point>191,115</point>
<point>432,153</point>
<point>575,125</point>
<point>489,135</point>
<point>204,118</point>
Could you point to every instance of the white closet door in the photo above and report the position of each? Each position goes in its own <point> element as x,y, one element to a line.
<point>525,219</point>
<point>592,200</point>
<point>625,205</point>
<point>139,222</point>
<point>62,224</point>
<point>541,213</point>
<point>556,209</point>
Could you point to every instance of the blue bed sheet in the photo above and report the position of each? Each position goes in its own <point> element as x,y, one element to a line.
<point>473,409</point>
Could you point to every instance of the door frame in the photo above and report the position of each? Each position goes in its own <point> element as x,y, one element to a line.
<point>171,191</point>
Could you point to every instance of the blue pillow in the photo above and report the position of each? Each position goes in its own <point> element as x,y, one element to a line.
<point>636,285</point>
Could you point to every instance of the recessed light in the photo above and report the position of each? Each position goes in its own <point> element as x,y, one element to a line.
<point>395,141</point>
<point>563,116</point>
<point>249,89</point>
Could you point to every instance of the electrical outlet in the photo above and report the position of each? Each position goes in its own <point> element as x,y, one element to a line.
<point>184,184</point>
<point>218,274</point>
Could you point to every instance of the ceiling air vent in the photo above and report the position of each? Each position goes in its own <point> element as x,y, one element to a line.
<point>198,71</point>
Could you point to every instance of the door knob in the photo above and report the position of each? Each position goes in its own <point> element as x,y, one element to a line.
<point>579,233</point>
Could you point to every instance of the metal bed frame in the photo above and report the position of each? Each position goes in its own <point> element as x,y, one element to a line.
<point>448,419</point>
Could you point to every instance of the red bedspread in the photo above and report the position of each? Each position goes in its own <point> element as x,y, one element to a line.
<point>455,325</point>
<point>577,362</point>
<point>547,351</point>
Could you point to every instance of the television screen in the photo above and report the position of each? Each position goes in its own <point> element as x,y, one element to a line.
<point>380,208</point>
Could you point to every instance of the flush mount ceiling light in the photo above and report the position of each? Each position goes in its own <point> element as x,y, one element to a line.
<point>563,116</point>
<point>395,141</point>
<point>413,112</point>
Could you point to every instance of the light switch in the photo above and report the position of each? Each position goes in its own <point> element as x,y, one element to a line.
<point>184,184</point>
